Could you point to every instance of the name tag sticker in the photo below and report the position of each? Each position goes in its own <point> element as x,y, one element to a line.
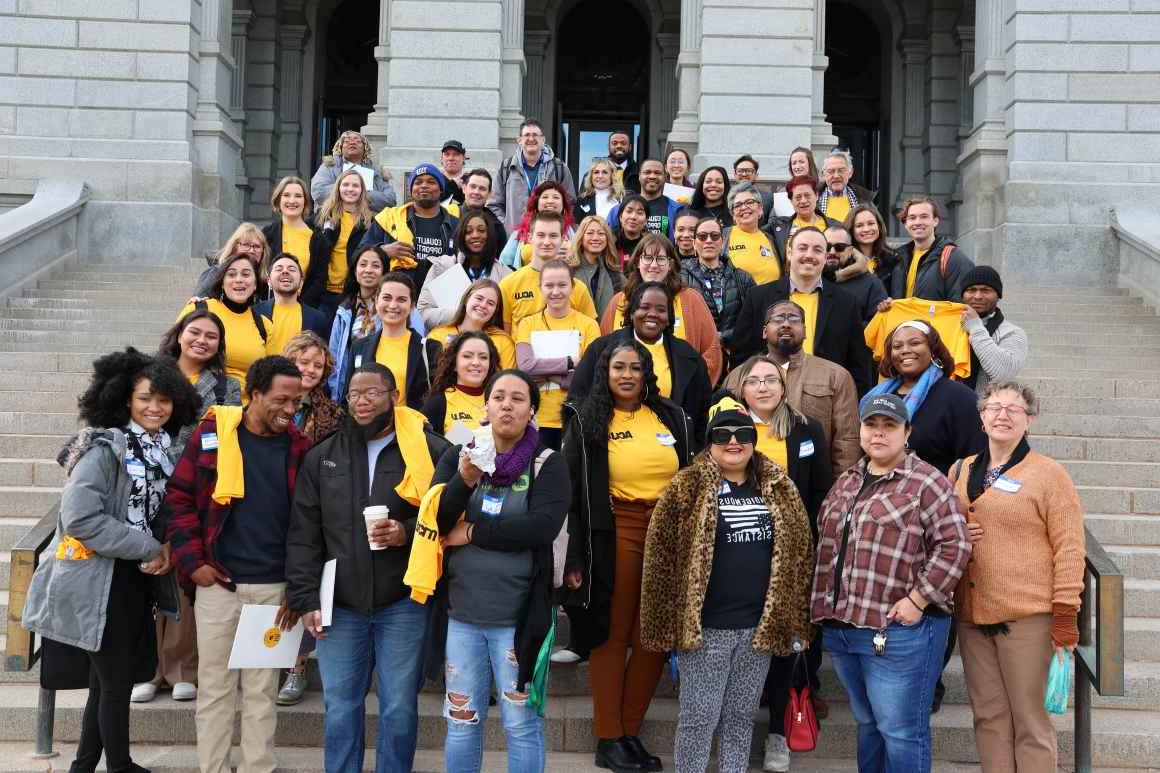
<point>492,504</point>
<point>209,441</point>
<point>136,468</point>
<point>806,449</point>
<point>1010,485</point>
<point>676,321</point>
<point>665,439</point>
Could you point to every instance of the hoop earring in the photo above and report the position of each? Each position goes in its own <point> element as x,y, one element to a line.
<point>644,394</point>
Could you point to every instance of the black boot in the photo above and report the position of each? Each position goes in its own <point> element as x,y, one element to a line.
<point>616,755</point>
<point>649,762</point>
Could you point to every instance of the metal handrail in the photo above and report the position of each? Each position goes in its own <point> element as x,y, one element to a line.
<point>1099,660</point>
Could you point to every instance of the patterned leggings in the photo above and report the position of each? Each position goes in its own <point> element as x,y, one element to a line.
<point>720,684</point>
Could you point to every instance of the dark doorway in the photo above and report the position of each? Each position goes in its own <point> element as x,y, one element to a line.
<point>351,73</point>
<point>856,101</point>
<point>602,77</point>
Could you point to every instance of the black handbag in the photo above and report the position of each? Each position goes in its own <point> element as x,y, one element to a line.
<point>165,593</point>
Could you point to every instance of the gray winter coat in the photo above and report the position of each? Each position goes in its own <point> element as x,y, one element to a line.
<point>381,196</point>
<point>510,193</point>
<point>67,599</point>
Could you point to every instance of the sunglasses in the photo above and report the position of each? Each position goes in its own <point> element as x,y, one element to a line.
<point>710,236</point>
<point>837,246</point>
<point>720,436</point>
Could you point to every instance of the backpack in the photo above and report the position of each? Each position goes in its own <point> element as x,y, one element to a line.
<point>201,305</point>
<point>945,258</point>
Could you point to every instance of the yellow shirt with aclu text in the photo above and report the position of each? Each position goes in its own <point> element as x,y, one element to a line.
<point>520,292</point>
<point>338,268</point>
<point>642,455</point>
<point>943,316</point>
<point>244,343</point>
<point>773,447</point>
<point>463,408</point>
<point>552,396</point>
<point>287,324</point>
<point>912,273</point>
<point>392,352</point>
<point>504,345</point>
<point>661,368</point>
<point>809,304</point>
<point>838,207</point>
<point>753,253</point>
<point>296,241</point>
<point>680,330</point>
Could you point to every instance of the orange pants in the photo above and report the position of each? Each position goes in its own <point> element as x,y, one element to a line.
<point>623,684</point>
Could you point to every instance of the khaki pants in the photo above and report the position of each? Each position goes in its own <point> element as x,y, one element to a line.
<point>177,647</point>
<point>217,611</point>
<point>1006,680</point>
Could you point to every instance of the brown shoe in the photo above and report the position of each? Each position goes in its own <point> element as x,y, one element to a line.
<point>821,708</point>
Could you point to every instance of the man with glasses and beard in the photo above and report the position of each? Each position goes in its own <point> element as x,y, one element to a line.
<point>816,387</point>
<point>383,456</point>
<point>533,163</point>
<point>851,270</point>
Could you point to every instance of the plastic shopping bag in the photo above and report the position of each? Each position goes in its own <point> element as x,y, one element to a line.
<point>1058,683</point>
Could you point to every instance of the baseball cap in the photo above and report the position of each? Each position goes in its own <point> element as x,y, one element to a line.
<point>454,145</point>
<point>888,405</point>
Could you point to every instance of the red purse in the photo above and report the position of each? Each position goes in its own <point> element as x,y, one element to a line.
<point>801,723</point>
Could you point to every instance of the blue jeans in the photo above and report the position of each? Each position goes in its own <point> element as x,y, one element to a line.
<point>890,695</point>
<point>474,654</point>
<point>392,641</point>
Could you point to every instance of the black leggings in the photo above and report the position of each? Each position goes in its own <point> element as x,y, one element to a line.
<point>105,724</point>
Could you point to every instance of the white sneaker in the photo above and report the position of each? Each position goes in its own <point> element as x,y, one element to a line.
<point>565,656</point>
<point>143,692</point>
<point>184,691</point>
<point>776,754</point>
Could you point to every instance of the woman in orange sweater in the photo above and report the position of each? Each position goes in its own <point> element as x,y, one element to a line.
<point>1018,600</point>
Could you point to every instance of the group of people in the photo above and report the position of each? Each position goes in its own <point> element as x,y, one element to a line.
<point>723,437</point>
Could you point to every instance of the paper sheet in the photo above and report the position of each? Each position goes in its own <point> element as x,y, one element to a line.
<point>368,175</point>
<point>460,434</point>
<point>448,288</point>
<point>326,591</point>
<point>260,643</point>
<point>678,193</point>
<point>556,343</point>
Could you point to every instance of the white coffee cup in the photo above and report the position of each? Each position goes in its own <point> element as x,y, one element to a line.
<point>372,515</point>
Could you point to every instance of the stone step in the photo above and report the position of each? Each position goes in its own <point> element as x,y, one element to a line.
<point>1063,447</point>
<point>1140,636</point>
<point>31,446</point>
<point>1106,473</point>
<point>31,382</point>
<point>22,422</point>
<point>56,402</point>
<point>164,313</point>
<point>160,283</point>
<point>1138,561</point>
<point>1039,333</point>
<point>122,325</point>
<point>1069,364</point>
<point>143,306</point>
<point>1050,345</point>
<point>1026,313</point>
<point>1112,499</point>
<point>1049,383</point>
<point>144,343</point>
<point>1142,598</point>
<point>30,472</point>
<point>109,295</point>
<point>1055,293</point>
<point>1123,528</point>
<point>27,501</point>
<point>1099,426</point>
<point>97,337</point>
<point>1113,406</point>
<point>47,362</point>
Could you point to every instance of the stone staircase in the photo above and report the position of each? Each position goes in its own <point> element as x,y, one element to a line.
<point>1094,365</point>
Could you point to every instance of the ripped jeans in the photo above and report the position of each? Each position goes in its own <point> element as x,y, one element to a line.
<point>474,654</point>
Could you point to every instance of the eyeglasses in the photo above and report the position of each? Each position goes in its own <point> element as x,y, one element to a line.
<point>720,436</point>
<point>779,319</point>
<point>754,381</point>
<point>837,246</point>
<point>656,260</point>
<point>250,246</point>
<point>1014,411</point>
<point>747,204</point>
<point>373,395</point>
<point>743,171</point>
<point>710,236</point>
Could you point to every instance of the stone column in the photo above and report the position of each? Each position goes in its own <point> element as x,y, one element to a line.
<point>822,138</point>
<point>240,29</point>
<point>664,87</point>
<point>376,127</point>
<point>261,104</point>
<point>536,89</point>
<point>687,125</point>
<point>512,67</point>
<point>915,54</point>
<point>292,34</point>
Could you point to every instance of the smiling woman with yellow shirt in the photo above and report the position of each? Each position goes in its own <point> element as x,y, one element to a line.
<point>481,311</point>
<point>344,217</point>
<point>550,343</point>
<point>627,441</point>
<point>232,298</point>
<point>291,231</point>
<point>395,344</point>
<point>456,395</point>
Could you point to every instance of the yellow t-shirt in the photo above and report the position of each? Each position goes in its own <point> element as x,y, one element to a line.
<point>753,253</point>
<point>338,268</point>
<point>912,272</point>
<point>680,330</point>
<point>809,304</point>
<point>642,455</point>
<point>773,447</point>
<point>504,344</point>
<point>244,343</point>
<point>943,316</point>
<point>552,396</point>
<point>661,367</point>
<point>287,324</point>
<point>797,223</point>
<point>463,408</point>
<point>392,352</point>
<point>520,291</point>
<point>296,241</point>
<point>838,207</point>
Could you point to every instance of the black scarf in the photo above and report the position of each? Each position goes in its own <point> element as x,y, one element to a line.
<point>983,461</point>
<point>992,324</point>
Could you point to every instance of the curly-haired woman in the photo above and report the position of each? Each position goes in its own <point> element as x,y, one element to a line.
<point>456,394</point>
<point>91,592</point>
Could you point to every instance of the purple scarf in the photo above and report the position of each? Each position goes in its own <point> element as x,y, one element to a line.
<point>511,464</point>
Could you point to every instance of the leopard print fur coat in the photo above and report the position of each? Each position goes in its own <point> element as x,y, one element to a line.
<point>678,559</point>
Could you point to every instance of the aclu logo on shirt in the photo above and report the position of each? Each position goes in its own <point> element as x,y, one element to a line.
<point>524,295</point>
<point>460,416</point>
<point>625,435</point>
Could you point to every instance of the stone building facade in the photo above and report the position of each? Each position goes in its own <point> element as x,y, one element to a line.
<point>1031,119</point>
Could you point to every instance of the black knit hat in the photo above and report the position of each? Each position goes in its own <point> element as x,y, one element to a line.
<point>984,275</point>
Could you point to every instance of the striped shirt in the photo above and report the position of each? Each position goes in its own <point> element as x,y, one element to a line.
<point>906,532</point>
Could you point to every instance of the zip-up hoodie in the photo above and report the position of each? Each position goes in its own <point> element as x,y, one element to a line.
<point>509,196</point>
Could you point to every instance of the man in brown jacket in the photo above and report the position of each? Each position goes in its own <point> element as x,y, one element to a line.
<point>817,387</point>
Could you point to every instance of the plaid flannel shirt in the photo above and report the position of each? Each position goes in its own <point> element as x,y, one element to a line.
<point>907,532</point>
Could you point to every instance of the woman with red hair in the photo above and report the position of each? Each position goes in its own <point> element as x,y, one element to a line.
<point>548,196</point>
